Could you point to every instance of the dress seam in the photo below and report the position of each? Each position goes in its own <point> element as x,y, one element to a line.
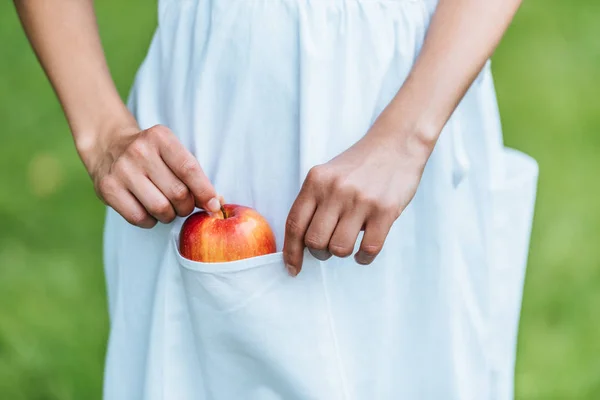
<point>336,347</point>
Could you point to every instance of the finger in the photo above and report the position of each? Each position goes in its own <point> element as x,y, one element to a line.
<point>346,233</point>
<point>151,198</point>
<point>296,225</point>
<point>171,187</point>
<point>321,228</point>
<point>376,230</point>
<point>187,168</point>
<point>124,203</point>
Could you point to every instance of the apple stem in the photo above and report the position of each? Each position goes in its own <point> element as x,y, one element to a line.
<point>223,212</point>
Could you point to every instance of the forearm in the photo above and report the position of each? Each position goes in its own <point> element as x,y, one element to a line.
<point>462,36</point>
<point>64,36</point>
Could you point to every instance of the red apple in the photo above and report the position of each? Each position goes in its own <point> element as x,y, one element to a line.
<point>237,232</point>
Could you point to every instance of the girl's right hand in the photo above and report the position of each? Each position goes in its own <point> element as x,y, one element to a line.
<point>148,176</point>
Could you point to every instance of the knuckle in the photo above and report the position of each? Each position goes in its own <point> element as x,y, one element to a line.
<point>388,208</point>
<point>344,188</point>
<point>162,209</point>
<point>107,185</point>
<point>158,131</point>
<point>394,213</point>
<point>318,175</point>
<point>368,200</point>
<point>315,241</point>
<point>185,209</point>
<point>371,250</point>
<point>189,167</point>
<point>167,145</point>
<point>179,192</point>
<point>139,218</point>
<point>293,228</point>
<point>379,205</point>
<point>340,250</point>
<point>139,149</point>
<point>120,166</point>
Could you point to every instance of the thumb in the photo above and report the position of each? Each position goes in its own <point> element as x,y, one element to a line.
<point>187,168</point>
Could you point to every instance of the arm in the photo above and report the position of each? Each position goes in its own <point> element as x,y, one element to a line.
<point>338,199</point>
<point>145,175</point>
<point>462,36</point>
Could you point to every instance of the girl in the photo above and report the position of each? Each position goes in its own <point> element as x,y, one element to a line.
<point>356,127</point>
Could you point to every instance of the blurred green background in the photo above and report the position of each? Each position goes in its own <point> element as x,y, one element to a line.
<point>53,322</point>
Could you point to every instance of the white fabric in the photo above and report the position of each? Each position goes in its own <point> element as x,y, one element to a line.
<point>261,91</point>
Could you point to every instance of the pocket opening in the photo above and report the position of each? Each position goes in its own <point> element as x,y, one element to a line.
<point>227,266</point>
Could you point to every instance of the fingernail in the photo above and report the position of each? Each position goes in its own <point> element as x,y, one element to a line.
<point>291,270</point>
<point>213,205</point>
<point>321,255</point>
<point>363,259</point>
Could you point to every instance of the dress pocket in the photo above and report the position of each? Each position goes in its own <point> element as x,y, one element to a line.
<point>511,221</point>
<point>259,333</point>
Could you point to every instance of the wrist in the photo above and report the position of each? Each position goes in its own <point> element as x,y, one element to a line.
<point>417,113</point>
<point>93,142</point>
<point>411,139</point>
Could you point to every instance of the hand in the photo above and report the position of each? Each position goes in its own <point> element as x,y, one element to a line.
<point>148,176</point>
<point>364,188</point>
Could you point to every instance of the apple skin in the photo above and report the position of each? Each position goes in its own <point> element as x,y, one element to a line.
<point>244,233</point>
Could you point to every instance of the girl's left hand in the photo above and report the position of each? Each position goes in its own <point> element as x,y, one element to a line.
<point>365,188</point>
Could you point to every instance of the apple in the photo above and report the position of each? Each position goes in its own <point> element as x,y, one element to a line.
<point>235,233</point>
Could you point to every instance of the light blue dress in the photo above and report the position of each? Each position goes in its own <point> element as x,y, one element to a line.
<point>260,91</point>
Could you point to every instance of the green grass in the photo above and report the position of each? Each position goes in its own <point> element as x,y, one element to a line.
<point>53,318</point>
<point>53,323</point>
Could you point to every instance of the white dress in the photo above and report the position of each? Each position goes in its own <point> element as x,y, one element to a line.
<point>260,91</point>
